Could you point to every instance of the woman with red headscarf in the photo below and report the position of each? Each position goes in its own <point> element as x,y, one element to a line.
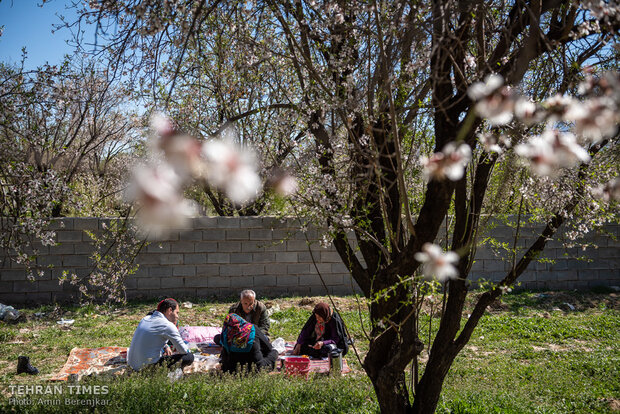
<point>323,332</point>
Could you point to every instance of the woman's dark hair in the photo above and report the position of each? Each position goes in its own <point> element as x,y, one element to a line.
<point>165,304</point>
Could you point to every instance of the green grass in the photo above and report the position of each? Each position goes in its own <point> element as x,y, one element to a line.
<point>526,356</point>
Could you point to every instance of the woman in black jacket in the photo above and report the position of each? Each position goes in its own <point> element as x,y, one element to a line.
<point>244,346</point>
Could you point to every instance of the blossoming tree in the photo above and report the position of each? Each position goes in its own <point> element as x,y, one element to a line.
<point>415,111</point>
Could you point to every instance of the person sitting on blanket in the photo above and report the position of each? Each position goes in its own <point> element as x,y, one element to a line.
<point>323,333</point>
<point>252,310</point>
<point>149,343</point>
<point>244,346</point>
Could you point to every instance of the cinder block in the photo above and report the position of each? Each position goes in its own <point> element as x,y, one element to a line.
<point>527,277</point>
<point>218,258</point>
<point>12,299</point>
<point>275,269</point>
<point>494,265</point>
<point>275,223</point>
<point>610,274</point>
<point>208,270</point>
<point>263,257</point>
<point>194,235</point>
<point>148,259</point>
<point>204,293</point>
<point>310,280</point>
<point>260,234</point>
<point>231,270</point>
<point>195,258</point>
<point>228,222</point>
<point>213,235</point>
<point>333,279</point>
<point>297,269</point>
<point>586,274</point>
<point>240,257</point>
<point>54,261</point>
<point>61,248</point>
<point>160,271</point>
<point>49,286</point>
<point>237,234</point>
<point>70,236</point>
<point>265,280</point>
<point>330,257</point>
<point>6,287</point>
<point>339,268</point>
<point>252,247</point>
<point>171,258</point>
<point>206,247</point>
<point>253,269</point>
<point>566,275</point>
<point>25,287</point>
<point>184,271</point>
<point>229,246</point>
<point>171,282</point>
<point>204,222</point>
<point>149,283</point>
<point>85,223</point>
<point>75,261</point>
<point>250,222</point>
<point>286,257</point>
<point>298,246</point>
<point>39,297</point>
<point>287,281</point>
<point>158,247</point>
<point>242,282</point>
<point>283,234</point>
<point>182,247</point>
<point>219,282</point>
<point>83,248</point>
<point>171,237</point>
<point>61,224</point>
<point>560,264</point>
<point>196,282</point>
<point>131,283</point>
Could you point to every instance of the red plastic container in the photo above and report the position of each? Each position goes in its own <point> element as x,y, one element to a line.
<point>297,366</point>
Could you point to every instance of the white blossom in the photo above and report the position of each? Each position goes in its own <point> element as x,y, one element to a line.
<point>231,169</point>
<point>595,119</point>
<point>156,191</point>
<point>494,101</point>
<point>609,191</point>
<point>449,163</point>
<point>437,264</point>
<point>551,150</point>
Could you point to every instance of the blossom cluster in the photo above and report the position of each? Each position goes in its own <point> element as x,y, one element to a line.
<point>178,159</point>
<point>594,119</point>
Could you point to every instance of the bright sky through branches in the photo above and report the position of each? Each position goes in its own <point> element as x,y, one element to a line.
<point>27,24</point>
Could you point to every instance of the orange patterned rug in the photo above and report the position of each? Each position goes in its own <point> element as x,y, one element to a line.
<point>92,361</point>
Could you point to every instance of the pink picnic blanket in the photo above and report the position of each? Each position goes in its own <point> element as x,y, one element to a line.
<point>199,334</point>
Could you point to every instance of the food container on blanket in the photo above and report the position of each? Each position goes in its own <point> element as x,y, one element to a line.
<point>297,366</point>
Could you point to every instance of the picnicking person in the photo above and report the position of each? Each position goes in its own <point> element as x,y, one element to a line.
<point>252,310</point>
<point>244,346</point>
<point>322,334</point>
<point>149,345</point>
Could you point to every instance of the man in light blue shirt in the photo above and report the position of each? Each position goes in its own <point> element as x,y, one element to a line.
<point>152,334</point>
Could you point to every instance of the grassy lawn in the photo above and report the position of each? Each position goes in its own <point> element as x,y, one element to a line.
<point>530,354</point>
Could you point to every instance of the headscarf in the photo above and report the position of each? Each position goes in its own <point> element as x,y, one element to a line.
<point>321,309</point>
<point>237,334</point>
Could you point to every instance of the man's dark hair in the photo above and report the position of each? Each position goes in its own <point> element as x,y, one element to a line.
<point>165,304</point>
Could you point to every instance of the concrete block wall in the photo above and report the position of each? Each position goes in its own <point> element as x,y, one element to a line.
<point>219,256</point>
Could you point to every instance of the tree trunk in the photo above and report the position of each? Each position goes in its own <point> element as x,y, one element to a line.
<point>391,391</point>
